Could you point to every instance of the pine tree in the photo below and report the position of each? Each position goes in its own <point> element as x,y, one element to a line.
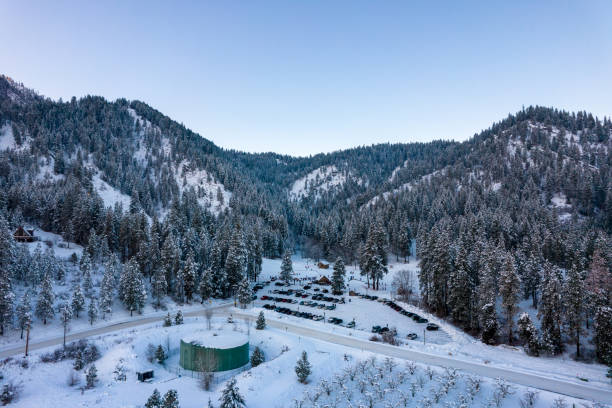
<point>231,398</point>
<point>91,377</point>
<point>159,286</point>
<point>488,322</point>
<point>154,400</point>
<point>167,320</point>
<point>260,324</point>
<point>92,311</point>
<point>170,399</point>
<point>603,334</point>
<point>574,299</point>
<point>235,261</point>
<point>78,301</point>
<point>178,319</point>
<point>286,273</point>
<point>460,290</point>
<point>44,306</point>
<point>7,297</point>
<point>303,368</point>
<point>24,312</point>
<point>78,361</point>
<point>204,288</point>
<point>189,274</point>
<point>509,288</point>
<point>528,334</point>
<point>133,287</point>
<point>550,311</point>
<point>257,357</point>
<point>160,354</point>
<point>86,267</point>
<point>120,372</point>
<point>338,276</point>
<point>107,289</point>
<point>244,293</point>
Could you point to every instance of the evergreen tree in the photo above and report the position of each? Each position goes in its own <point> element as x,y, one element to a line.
<point>509,288</point>
<point>154,400</point>
<point>603,334</point>
<point>159,286</point>
<point>235,261</point>
<point>91,377</point>
<point>178,319</point>
<point>460,290</point>
<point>78,301</point>
<point>230,397</point>
<point>303,368</point>
<point>132,287</point>
<point>528,334</point>
<point>338,276</point>
<point>550,311</point>
<point>170,399</point>
<point>85,268</point>
<point>7,297</point>
<point>24,312</point>
<point>489,323</point>
<point>244,293</point>
<point>188,277</point>
<point>574,299</point>
<point>167,320</point>
<point>107,289</point>
<point>92,311</point>
<point>120,372</point>
<point>78,361</point>
<point>260,324</point>
<point>205,287</point>
<point>257,357</point>
<point>160,354</point>
<point>286,273</point>
<point>44,306</point>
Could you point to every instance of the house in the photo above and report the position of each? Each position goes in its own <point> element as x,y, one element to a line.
<point>323,281</point>
<point>24,234</point>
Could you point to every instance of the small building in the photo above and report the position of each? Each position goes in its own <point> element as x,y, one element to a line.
<point>323,281</point>
<point>144,375</point>
<point>22,234</point>
<point>214,351</point>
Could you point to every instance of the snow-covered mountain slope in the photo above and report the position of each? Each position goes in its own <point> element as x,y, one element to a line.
<point>321,180</point>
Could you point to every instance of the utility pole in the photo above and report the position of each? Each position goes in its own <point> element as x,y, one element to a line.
<point>27,340</point>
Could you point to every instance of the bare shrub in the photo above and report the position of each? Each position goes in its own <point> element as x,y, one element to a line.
<point>529,398</point>
<point>207,364</point>
<point>10,392</point>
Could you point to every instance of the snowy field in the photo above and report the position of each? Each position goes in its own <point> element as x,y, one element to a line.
<point>341,377</point>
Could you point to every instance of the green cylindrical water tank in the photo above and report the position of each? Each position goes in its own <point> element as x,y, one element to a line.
<point>214,351</point>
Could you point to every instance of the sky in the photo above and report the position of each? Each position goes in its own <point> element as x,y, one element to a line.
<point>302,77</point>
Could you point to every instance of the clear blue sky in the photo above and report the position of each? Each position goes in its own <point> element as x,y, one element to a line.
<point>301,77</point>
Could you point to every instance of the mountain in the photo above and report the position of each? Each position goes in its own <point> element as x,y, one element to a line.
<point>536,187</point>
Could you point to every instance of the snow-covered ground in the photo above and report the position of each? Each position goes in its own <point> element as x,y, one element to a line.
<point>341,376</point>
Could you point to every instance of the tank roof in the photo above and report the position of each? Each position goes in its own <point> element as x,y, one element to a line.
<point>219,339</point>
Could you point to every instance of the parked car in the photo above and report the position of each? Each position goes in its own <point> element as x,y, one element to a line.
<point>432,327</point>
<point>412,336</point>
<point>350,324</point>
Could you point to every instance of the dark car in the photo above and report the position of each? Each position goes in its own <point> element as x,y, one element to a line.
<point>432,327</point>
<point>412,336</point>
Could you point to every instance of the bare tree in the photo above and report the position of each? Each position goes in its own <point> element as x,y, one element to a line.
<point>208,313</point>
<point>206,363</point>
<point>403,284</point>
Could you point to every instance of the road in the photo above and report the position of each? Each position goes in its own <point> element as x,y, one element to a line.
<point>530,380</point>
<point>582,391</point>
<point>20,349</point>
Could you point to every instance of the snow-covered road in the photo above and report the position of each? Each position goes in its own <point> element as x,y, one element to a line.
<point>519,377</point>
<point>12,350</point>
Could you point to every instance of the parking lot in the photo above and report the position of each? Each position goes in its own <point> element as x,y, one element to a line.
<point>353,309</point>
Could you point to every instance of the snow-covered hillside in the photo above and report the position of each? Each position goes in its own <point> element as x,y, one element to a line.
<point>211,193</point>
<point>318,181</point>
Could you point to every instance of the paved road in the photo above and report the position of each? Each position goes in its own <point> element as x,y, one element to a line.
<point>14,350</point>
<point>530,380</point>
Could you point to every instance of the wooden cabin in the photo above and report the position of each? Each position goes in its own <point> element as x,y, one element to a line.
<point>24,235</point>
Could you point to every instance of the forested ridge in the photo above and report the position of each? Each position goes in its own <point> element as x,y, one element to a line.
<point>522,210</point>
